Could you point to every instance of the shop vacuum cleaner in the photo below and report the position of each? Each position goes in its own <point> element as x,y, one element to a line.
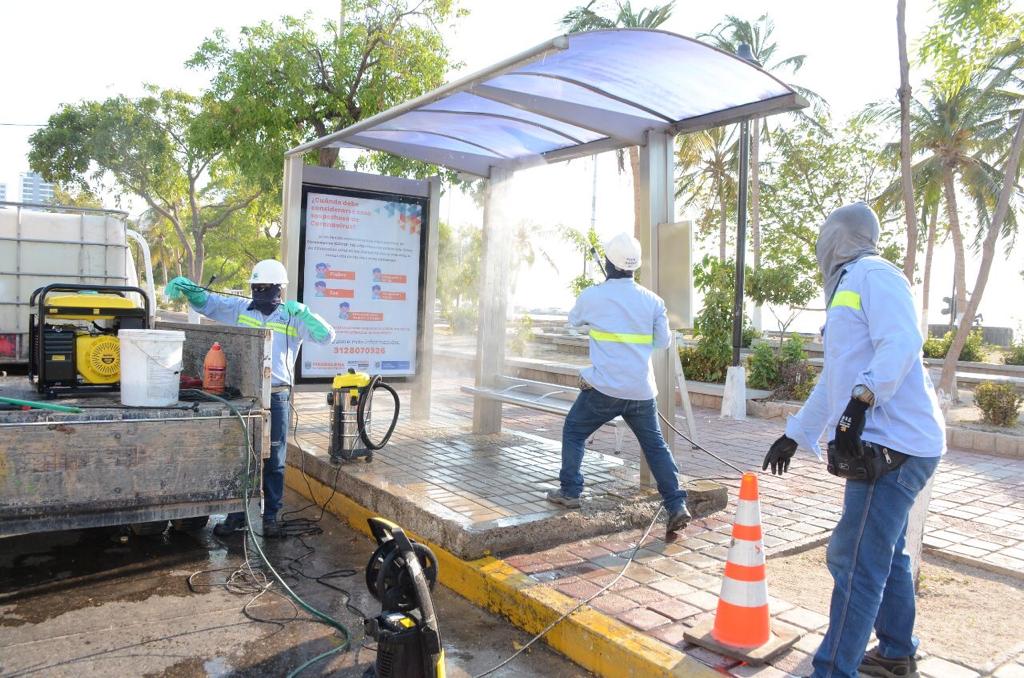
<point>401,574</point>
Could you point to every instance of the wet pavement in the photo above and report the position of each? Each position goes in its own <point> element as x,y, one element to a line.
<point>81,603</point>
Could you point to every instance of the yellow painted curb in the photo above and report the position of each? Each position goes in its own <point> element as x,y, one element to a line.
<point>593,640</point>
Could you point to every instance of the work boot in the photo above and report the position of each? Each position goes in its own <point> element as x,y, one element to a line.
<point>874,664</point>
<point>562,499</point>
<point>233,523</point>
<point>272,529</point>
<point>678,520</point>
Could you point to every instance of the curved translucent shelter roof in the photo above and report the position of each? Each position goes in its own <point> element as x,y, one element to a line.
<point>571,96</point>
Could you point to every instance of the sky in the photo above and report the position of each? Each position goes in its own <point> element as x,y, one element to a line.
<point>62,52</point>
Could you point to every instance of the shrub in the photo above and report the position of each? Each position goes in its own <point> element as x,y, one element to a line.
<point>999,403</point>
<point>521,333</point>
<point>463,320</point>
<point>763,366</point>
<point>708,361</point>
<point>973,351</point>
<point>786,373</point>
<point>750,334</point>
<point>1016,354</point>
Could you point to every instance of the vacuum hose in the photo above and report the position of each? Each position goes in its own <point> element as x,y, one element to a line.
<point>364,400</point>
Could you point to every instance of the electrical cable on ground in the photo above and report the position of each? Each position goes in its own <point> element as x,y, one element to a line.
<point>318,616</point>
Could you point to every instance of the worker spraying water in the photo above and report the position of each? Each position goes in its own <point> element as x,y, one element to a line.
<point>290,322</point>
<point>627,323</point>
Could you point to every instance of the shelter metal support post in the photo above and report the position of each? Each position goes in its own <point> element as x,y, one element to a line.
<point>291,216</point>
<point>422,386</point>
<point>494,285</point>
<point>657,206</point>
<point>741,242</point>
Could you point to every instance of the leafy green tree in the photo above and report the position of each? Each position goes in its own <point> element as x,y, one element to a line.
<point>596,15</point>
<point>812,171</point>
<point>759,35</point>
<point>967,36</point>
<point>153,147</point>
<point>582,242</point>
<point>281,85</point>
<point>458,273</point>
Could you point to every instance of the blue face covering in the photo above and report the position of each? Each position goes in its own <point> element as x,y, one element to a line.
<point>265,298</point>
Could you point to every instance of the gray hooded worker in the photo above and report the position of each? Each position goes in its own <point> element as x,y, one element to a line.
<point>886,437</point>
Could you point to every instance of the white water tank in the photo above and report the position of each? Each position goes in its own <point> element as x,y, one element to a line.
<point>39,248</point>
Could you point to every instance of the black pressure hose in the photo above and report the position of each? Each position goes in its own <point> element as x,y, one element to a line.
<point>367,396</point>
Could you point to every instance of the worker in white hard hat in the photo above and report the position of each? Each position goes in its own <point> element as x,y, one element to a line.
<point>290,322</point>
<point>627,323</point>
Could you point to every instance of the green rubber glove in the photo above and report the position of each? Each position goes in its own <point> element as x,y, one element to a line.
<point>317,327</point>
<point>182,286</point>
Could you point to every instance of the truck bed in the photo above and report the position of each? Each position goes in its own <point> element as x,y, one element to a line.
<point>113,465</point>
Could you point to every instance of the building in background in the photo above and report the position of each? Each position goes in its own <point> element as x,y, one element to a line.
<point>34,189</point>
<point>3,191</point>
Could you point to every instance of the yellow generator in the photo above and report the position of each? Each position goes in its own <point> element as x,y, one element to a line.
<point>73,341</point>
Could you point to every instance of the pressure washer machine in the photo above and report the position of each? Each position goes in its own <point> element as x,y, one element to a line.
<point>353,432</point>
<point>401,573</point>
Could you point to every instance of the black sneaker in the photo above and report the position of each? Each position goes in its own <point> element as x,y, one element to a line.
<point>678,520</point>
<point>231,525</point>
<point>272,529</point>
<point>876,665</point>
<point>562,499</point>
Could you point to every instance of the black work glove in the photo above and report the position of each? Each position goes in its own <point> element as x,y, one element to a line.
<point>850,428</point>
<point>779,454</point>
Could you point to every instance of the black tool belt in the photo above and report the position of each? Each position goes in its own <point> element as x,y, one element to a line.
<point>870,466</point>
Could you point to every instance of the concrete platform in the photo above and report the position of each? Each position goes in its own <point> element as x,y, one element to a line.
<point>476,495</point>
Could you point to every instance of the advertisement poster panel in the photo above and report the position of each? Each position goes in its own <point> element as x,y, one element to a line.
<point>360,266</point>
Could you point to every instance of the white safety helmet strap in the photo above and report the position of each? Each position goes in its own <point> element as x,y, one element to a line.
<point>269,272</point>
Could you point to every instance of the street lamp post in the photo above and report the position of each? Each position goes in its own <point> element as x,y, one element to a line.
<point>743,51</point>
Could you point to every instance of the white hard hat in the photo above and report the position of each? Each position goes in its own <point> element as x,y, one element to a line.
<point>623,251</point>
<point>269,272</point>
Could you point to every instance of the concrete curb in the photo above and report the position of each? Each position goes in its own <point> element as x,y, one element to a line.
<point>974,562</point>
<point>593,640</point>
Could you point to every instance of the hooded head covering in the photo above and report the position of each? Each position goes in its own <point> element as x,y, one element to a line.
<point>849,233</point>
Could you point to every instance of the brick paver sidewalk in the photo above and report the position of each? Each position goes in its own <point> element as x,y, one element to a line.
<point>976,512</point>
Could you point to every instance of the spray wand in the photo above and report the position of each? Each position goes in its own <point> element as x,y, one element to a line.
<point>597,260</point>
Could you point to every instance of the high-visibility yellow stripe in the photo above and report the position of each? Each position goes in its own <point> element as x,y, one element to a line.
<point>280,328</point>
<point>621,337</point>
<point>846,298</point>
<point>283,329</point>
<point>249,321</point>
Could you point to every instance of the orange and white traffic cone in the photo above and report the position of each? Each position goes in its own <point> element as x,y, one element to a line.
<point>742,619</point>
<point>742,624</point>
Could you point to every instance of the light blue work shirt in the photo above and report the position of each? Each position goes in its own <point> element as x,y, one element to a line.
<point>872,337</point>
<point>288,332</point>
<point>626,323</point>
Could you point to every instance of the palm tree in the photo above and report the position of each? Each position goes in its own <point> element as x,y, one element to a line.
<point>588,18</point>
<point>727,36</point>
<point>954,134</point>
<point>527,242</point>
<point>708,160</point>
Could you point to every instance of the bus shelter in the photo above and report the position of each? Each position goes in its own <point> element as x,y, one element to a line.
<point>575,95</point>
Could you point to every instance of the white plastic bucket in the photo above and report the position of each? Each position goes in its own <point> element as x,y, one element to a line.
<point>150,367</point>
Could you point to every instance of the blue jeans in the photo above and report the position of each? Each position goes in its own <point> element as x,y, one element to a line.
<point>874,585</point>
<point>592,410</point>
<point>273,466</point>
